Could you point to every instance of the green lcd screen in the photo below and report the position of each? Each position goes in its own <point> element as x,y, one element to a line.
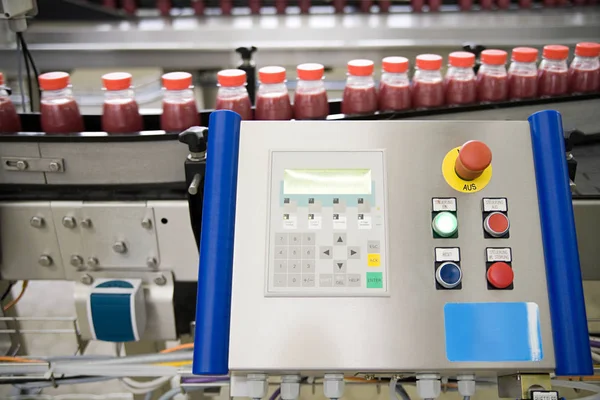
<point>327,181</point>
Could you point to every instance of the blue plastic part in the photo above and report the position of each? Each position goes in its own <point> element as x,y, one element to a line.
<point>565,290</point>
<point>450,273</point>
<point>213,306</point>
<point>111,316</point>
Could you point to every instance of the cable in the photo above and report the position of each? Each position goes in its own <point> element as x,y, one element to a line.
<point>26,59</point>
<point>579,385</point>
<point>18,298</point>
<point>170,394</point>
<point>19,359</point>
<point>274,396</point>
<point>175,363</point>
<point>29,60</point>
<point>20,77</point>
<point>178,348</point>
<point>467,398</point>
<point>10,284</point>
<point>155,384</point>
<point>596,357</point>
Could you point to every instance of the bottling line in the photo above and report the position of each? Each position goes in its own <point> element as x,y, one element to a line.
<point>438,246</point>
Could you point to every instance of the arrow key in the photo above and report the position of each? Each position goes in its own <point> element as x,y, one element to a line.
<point>339,267</point>
<point>325,252</point>
<point>354,252</point>
<point>339,239</point>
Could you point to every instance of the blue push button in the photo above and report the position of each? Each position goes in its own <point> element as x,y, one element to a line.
<point>448,275</point>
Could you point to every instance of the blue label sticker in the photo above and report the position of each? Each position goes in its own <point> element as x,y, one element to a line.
<point>493,332</point>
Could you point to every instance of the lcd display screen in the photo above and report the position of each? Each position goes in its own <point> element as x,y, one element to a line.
<point>327,181</point>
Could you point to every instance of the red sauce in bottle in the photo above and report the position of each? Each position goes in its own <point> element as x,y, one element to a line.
<point>109,3</point>
<point>310,97</point>
<point>486,4</point>
<point>394,87</point>
<point>226,7</point>
<point>9,119</point>
<point>365,5</point>
<point>492,78</point>
<point>417,5</point>
<point>130,6</point>
<point>304,6</point>
<point>435,5</point>
<point>461,84</point>
<point>549,3</point>
<point>272,98</point>
<point>179,105</point>
<point>584,73</point>
<point>523,74</point>
<point>339,6</point>
<point>164,7</point>
<point>360,95</point>
<point>280,6</point>
<point>120,111</point>
<point>384,5</point>
<point>232,94</point>
<point>428,85</point>
<point>553,78</point>
<point>254,6</point>
<point>503,4</point>
<point>59,110</point>
<point>198,6</point>
<point>525,3</point>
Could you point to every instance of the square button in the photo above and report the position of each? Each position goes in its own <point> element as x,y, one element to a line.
<point>353,252</point>
<point>374,246</point>
<point>294,252</point>
<point>325,252</point>
<point>294,266</point>
<point>281,239</point>
<point>308,267</point>
<point>294,280</point>
<point>280,266</point>
<point>280,280</point>
<point>325,280</point>
<point>280,252</point>
<point>308,252</point>
<point>295,239</point>
<point>308,239</point>
<point>339,239</point>
<point>339,267</point>
<point>353,280</point>
<point>374,260</point>
<point>374,280</point>
<point>308,280</point>
<point>339,280</point>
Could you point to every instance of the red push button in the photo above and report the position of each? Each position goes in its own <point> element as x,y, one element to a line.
<point>500,275</point>
<point>473,158</point>
<point>496,224</point>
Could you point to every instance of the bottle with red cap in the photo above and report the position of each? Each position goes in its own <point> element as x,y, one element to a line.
<point>254,6</point>
<point>553,74</point>
<point>523,73</point>
<point>232,94</point>
<point>9,119</point>
<point>120,111</point>
<point>492,78</point>
<point>394,87</point>
<point>179,104</point>
<point>360,95</point>
<point>59,110</point>
<point>428,84</point>
<point>226,7</point>
<point>584,72</point>
<point>130,6</point>
<point>280,6</point>
<point>310,98</point>
<point>461,83</point>
<point>164,7</point>
<point>304,6</point>
<point>272,97</point>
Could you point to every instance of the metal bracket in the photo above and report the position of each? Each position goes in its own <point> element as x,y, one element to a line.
<point>520,386</point>
<point>29,164</point>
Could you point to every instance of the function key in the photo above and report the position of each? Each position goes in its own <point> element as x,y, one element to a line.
<point>496,224</point>
<point>448,275</point>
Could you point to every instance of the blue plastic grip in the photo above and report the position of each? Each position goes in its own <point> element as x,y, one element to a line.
<point>563,273</point>
<point>213,305</point>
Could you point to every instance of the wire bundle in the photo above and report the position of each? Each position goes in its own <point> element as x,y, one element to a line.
<point>23,50</point>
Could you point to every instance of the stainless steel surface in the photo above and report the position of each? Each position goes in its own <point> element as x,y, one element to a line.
<point>26,164</point>
<point>587,221</point>
<point>357,334</point>
<point>190,42</point>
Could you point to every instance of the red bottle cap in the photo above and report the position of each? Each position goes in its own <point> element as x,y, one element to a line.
<point>54,80</point>
<point>395,65</point>
<point>524,54</point>
<point>177,80</point>
<point>429,62</point>
<point>493,57</point>
<point>462,59</point>
<point>361,67</point>
<point>1,78</point>
<point>116,81</point>
<point>310,72</point>
<point>500,275</point>
<point>474,157</point>
<point>231,77</point>
<point>271,75</point>
<point>587,49</point>
<point>556,52</point>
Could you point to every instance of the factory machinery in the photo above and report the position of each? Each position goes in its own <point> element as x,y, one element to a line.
<point>420,247</point>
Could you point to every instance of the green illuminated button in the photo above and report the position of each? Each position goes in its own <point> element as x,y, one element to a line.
<point>445,224</point>
<point>374,280</point>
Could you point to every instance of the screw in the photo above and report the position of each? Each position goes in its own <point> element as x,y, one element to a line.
<point>76,261</point>
<point>147,223</point>
<point>37,222</point>
<point>54,166</point>
<point>45,260</point>
<point>92,262</point>
<point>86,223</point>
<point>119,247</point>
<point>69,222</point>
<point>160,280</point>
<point>151,262</point>
<point>87,279</point>
<point>22,165</point>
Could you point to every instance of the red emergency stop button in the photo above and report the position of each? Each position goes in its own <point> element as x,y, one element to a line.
<point>496,224</point>
<point>500,275</point>
<point>473,158</point>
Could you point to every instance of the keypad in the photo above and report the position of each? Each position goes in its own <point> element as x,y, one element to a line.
<point>295,261</point>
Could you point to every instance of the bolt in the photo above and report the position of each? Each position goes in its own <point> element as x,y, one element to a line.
<point>54,166</point>
<point>151,262</point>
<point>160,280</point>
<point>87,279</point>
<point>119,247</point>
<point>86,223</point>
<point>37,222</point>
<point>147,223</point>
<point>45,260</point>
<point>69,222</point>
<point>22,165</point>
<point>76,261</point>
<point>92,262</point>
